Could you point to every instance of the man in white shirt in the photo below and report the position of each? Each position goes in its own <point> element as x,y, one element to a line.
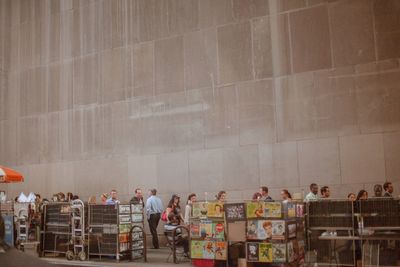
<point>313,195</point>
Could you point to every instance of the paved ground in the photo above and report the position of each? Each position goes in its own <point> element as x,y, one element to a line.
<point>16,258</point>
<point>155,257</point>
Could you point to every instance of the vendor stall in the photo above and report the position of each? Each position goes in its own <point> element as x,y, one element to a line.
<point>8,175</point>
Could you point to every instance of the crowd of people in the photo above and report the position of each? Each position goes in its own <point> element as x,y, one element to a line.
<point>172,213</point>
<point>173,216</point>
<point>361,195</point>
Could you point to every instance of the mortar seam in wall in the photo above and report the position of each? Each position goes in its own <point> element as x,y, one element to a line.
<point>188,171</point>
<point>154,69</point>
<point>354,91</point>
<point>330,36</point>
<point>290,45</point>
<point>384,158</point>
<point>275,110</point>
<point>340,161</point>
<point>253,71</point>
<point>232,11</point>
<point>374,30</point>
<point>298,164</point>
<point>275,14</point>
<point>217,67</point>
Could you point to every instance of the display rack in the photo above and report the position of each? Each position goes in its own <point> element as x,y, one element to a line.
<point>124,228</point>
<point>137,235</point>
<point>208,233</point>
<point>235,216</point>
<point>345,233</point>
<point>116,231</point>
<point>138,243</point>
<point>379,231</point>
<point>330,235</point>
<point>103,231</point>
<point>272,234</point>
<point>56,234</point>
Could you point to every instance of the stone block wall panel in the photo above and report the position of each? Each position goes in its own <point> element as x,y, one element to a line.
<point>200,95</point>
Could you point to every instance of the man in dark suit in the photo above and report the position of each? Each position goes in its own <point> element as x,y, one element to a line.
<point>138,198</point>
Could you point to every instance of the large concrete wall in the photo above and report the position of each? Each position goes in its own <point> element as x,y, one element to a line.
<point>200,95</point>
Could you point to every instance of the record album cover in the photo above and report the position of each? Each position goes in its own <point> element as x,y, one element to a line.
<point>215,209</point>
<point>278,229</point>
<point>252,251</point>
<point>220,250</point>
<point>265,252</point>
<point>255,209</point>
<point>235,212</point>
<point>291,210</point>
<point>208,250</point>
<point>273,209</point>
<point>279,252</point>
<point>195,229</point>
<point>199,210</point>
<point>206,229</point>
<point>196,249</point>
<point>218,231</point>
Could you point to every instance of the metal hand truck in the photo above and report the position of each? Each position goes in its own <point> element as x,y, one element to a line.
<point>22,226</point>
<point>78,231</point>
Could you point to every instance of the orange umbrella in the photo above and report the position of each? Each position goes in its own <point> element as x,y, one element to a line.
<point>8,175</point>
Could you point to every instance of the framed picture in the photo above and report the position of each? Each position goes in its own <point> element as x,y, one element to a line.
<point>235,212</point>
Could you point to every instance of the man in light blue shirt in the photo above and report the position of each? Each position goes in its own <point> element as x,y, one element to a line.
<point>154,208</point>
<point>113,198</point>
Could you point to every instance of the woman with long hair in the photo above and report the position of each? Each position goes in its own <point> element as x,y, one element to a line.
<point>362,195</point>
<point>221,196</point>
<point>286,196</point>
<point>174,207</point>
<point>188,209</point>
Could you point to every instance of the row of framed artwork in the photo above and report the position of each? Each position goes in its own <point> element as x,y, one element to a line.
<point>247,210</point>
<point>268,230</point>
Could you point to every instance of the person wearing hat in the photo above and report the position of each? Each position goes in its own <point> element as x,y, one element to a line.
<point>174,207</point>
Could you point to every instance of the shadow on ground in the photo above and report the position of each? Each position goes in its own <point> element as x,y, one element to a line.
<point>156,257</point>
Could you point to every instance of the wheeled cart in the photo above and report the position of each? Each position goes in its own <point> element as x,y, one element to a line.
<point>78,236</point>
<point>56,233</point>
